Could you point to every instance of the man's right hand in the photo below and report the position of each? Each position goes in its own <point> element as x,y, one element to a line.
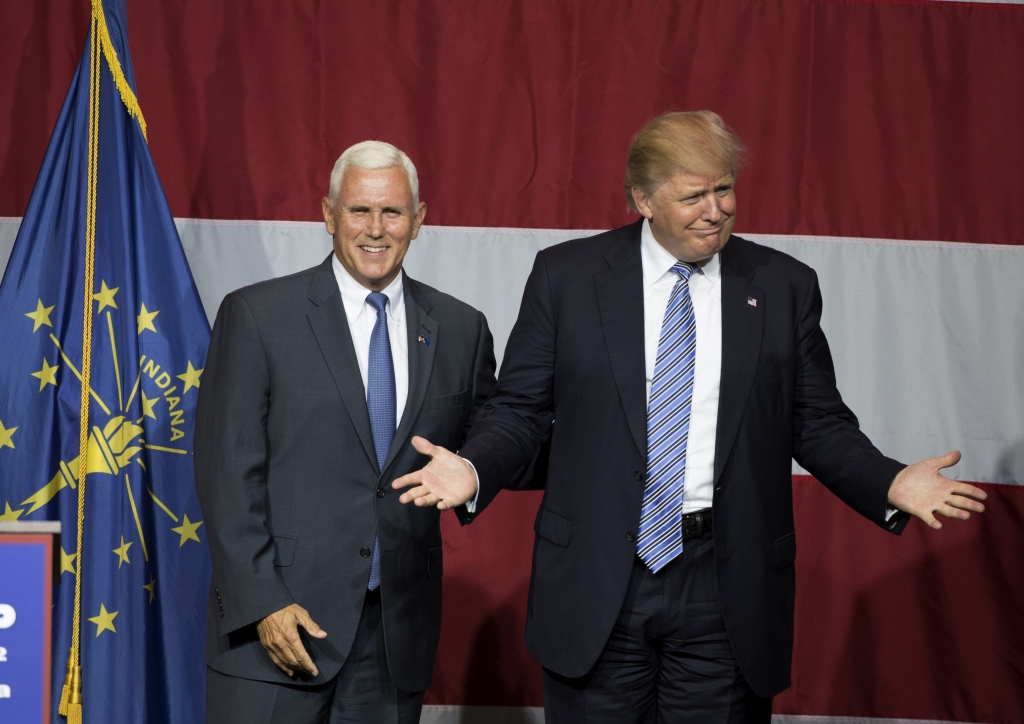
<point>279,635</point>
<point>447,481</point>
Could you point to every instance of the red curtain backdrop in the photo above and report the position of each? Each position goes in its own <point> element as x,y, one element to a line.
<point>897,120</point>
<point>865,120</point>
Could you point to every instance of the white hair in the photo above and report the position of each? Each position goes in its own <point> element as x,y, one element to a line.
<point>374,154</point>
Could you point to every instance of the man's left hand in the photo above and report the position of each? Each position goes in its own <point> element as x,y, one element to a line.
<point>921,490</point>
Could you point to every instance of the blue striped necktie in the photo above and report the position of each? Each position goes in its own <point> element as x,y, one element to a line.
<point>668,427</point>
<point>380,401</point>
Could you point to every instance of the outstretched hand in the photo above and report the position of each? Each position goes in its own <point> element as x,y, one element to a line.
<point>447,481</point>
<point>921,490</point>
<point>279,634</point>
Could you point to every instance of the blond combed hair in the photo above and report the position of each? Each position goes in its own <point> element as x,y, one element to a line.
<point>695,141</point>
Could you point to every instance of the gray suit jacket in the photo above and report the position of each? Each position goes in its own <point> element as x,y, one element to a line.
<point>288,478</point>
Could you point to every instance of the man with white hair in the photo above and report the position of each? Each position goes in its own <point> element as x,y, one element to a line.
<point>325,603</point>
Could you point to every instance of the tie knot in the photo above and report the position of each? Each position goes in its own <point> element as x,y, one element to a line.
<point>684,269</point>
<point>377,300</point>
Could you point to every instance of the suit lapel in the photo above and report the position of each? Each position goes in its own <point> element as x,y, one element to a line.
<point>620,297</point>
<point>421,361</point>
<point>330,327</point>
<point>742,327</point>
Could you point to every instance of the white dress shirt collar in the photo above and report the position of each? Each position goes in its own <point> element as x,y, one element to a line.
<point>354,294</point>
<point>657,261</point>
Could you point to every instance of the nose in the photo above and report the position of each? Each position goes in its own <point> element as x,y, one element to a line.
<point>712,210</point>
<point>375,225</point>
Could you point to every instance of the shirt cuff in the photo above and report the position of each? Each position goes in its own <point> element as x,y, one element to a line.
<point>471,504</point>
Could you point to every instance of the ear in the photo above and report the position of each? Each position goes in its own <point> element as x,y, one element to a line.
<point>417,222</point>
<point>328,215</point>
<point>643,202</point>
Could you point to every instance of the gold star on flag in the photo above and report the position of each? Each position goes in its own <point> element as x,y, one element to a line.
<point>41,316</point>
<point>47,375</point>
<point>106,297</point>
<point>104,620</point>
<point>9,516</point>
<point>122,552</point>
<point>151,586</point>
<point>190,378</point>
<point>67,562</point>
<point>5,435</point>
<point>147,406</point>
<point>146,318</point>
<point>187,531</point>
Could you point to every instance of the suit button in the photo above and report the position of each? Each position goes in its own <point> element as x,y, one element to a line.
<point>222,614</point>
<point>630,538</point>
<point>381,492</point>
<point>639,476</point>
<point>364,552</point>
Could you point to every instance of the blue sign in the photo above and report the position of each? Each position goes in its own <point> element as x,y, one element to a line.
<point>24,633</point>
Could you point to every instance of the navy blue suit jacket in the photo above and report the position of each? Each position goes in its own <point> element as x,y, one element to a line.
<point>577,352</point>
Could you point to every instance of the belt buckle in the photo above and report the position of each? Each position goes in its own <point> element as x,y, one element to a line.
<point>694,526</point>
<point>691,526</point>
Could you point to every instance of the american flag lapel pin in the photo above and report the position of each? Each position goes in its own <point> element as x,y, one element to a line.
<point>424,340</point>
<point>751,302</point>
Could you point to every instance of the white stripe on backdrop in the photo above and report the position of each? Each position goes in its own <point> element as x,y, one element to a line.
<point>926,336</point>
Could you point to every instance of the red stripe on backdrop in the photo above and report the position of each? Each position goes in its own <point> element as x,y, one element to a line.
<point>481,659</point>
<point>876,120</point>
<point>925,626</point>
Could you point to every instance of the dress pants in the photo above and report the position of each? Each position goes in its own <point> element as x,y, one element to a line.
<point>668,659</point>
<point>361,693</point>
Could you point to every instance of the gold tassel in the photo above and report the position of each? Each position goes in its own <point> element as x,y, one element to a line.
<point>65,692</point>
<point>64,695</point>
<point>114,63</point>
<point>75,698</point>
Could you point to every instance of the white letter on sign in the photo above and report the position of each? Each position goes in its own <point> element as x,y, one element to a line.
<point>3,654</point>
<point>7,615</point>
<point>5,691</point>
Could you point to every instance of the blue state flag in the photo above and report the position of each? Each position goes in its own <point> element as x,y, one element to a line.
<point>98,230</point>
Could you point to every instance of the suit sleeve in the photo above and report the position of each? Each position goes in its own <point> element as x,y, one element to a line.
<point>516,419</point>
<point>231,469</point>
<point>483,374</point>
<point>827,440</point>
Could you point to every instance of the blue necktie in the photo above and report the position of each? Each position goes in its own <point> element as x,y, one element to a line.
<point>668,427</point>
<point>380,401</point>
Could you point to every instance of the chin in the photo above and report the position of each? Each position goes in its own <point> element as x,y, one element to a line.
<point>377,276</point>
<point>707,248</point>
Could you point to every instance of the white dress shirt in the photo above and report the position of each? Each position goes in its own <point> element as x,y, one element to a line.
<point>361,320</point>
<point>706,294</point>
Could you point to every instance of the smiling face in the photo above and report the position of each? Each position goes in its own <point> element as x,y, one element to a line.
<point>372,223</point>
<point>691,216</point>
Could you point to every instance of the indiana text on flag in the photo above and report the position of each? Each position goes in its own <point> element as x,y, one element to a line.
<point>104,346</point>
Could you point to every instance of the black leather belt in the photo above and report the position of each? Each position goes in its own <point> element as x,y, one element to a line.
<point>696,524</point>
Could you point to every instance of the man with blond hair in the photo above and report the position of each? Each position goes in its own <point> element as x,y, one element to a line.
<point>325,603</point>
<point>685,368</point>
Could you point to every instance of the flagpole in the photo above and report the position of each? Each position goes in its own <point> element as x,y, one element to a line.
<point>73,688</point>
<point>100,46</point>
